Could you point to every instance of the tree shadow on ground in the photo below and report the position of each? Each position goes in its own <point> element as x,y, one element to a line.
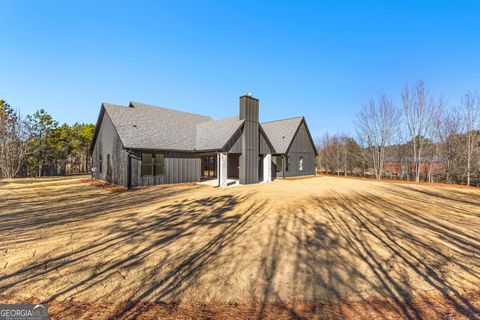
<point>161,243</point>
<point>23,219</point>
<point>193,263</point>
<point>164,235</point>
<point>360,245</point>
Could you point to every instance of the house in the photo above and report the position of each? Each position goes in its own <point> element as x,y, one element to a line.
<point>142,145</point>
<point>401,167</point>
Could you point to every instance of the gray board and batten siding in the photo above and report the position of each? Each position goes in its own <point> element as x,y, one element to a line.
<point>234,145</point>
<point>109,146</point>
<point>301,146</point>
<point>292,141</point>
<point>179,167</point>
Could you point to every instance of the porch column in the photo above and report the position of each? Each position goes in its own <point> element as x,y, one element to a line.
<point>267,168</point>
<point>222,169</point>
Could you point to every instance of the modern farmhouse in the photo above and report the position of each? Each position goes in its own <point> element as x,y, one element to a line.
<point>141,145</point>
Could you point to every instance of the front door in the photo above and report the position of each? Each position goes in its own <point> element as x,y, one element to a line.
<point>209,167</point>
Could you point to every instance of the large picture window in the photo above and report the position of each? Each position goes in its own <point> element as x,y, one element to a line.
<point>153,164</point>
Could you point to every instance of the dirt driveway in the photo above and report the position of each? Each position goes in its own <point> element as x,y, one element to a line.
<point>331,247</point>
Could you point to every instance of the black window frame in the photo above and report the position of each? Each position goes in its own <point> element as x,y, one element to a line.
<point>155,168</point>
<point>301,163</point>
<point>100,163</point>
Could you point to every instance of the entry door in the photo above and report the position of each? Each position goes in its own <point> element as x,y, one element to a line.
<point>209,167</point>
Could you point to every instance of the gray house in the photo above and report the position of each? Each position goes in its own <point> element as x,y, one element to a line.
<point>142,145</point>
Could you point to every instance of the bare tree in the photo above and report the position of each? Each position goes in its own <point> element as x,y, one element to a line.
<point>377,127</point>
<point>331,153</point>
<point>471,123</point>
<point>13,146</point>
<point>436,139</point>
<point>448,130</point>
<point>419,108</point>
<point>334,154</point>
<point>343,140</point>
<point>320,144</point>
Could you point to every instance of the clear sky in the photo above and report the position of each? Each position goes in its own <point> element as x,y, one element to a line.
<point>321,59</point>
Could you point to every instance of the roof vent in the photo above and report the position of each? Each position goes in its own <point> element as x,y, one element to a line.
<point>134,125</point>
<point>248,94</point>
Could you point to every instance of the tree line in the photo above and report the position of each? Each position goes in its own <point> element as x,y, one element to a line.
<point>419,138</point>
<point>36,145</point>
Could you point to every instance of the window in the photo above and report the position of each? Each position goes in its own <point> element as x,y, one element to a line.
<point>287,163</point>
<point>153,164</point>
<point>300,164</point>
<point>159,164</point>
<point>109,165</point>
<point>147,161</point>
<point>100,163</point>
<point>279,162</point>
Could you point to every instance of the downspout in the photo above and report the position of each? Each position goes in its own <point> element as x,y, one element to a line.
<point>129,172</point>
<point>218,169</point>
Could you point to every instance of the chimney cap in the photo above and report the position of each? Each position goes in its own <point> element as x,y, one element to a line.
<point>249,95</point>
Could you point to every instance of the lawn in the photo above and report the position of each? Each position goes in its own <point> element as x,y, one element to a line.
<point>325,246</point>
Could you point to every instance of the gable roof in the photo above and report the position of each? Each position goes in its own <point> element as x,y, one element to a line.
<point>142,126</point>
<point>146,127</point>
<point>281,132</point>
<point>212,135</point>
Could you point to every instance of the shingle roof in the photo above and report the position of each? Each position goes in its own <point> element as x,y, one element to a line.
<point>215,134</point>
<point>142,126</point>
<point>281,132</point>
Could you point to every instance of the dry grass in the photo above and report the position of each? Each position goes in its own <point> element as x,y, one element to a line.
<point>337,248</point>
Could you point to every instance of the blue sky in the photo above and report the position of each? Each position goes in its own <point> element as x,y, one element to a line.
<point>321,59</point>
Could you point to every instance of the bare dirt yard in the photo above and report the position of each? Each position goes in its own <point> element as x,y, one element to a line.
<point>324,247</point>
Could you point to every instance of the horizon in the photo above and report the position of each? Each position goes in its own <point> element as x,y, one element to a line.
<point>320,61</point>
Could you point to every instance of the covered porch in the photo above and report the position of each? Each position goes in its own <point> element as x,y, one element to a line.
<point>229,168</point>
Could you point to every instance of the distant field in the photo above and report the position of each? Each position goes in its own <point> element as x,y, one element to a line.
<point>322,247</point>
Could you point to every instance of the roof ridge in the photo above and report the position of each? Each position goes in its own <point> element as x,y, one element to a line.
<point>170,109</point>
<point>226,118</point>
<point>113,104</point>
<point>282,119</point>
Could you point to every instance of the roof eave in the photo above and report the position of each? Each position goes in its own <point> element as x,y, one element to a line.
<point>97,128</point>
<point>309,136</point>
